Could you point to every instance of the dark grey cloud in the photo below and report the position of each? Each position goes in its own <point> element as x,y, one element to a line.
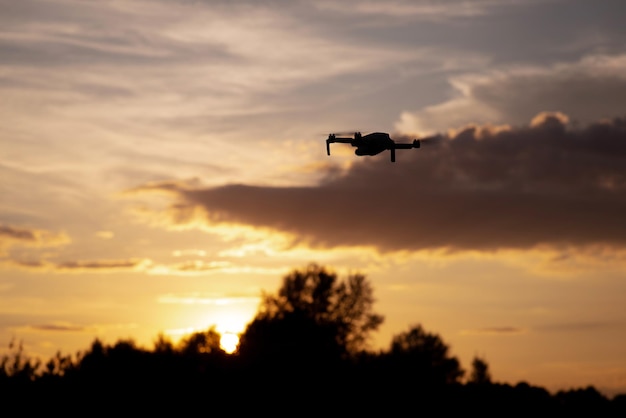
<point>481,189</point>
<point>581,94</point>
<point>587,90</point>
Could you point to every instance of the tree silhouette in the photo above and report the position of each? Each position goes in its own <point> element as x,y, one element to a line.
<point>423,358</point>
<point>305,351</point>
<point>313,316</point>
<point>480,372</point>
<point>201,343</point>
<point>17,366</point>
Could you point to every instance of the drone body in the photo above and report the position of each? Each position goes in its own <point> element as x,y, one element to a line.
<point>371,144</point>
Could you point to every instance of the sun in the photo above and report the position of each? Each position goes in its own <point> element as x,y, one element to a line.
<point>229,342</point>
<point>230,324</point>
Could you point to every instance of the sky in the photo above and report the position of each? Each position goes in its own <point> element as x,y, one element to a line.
<point>162,163</point>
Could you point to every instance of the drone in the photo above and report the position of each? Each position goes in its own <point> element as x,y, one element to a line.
<point>371,144</point>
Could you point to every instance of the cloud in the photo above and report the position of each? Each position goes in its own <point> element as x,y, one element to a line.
<point>201,268</point>
<point>82,266</point>
<point>419,10</point>
<point>212,54</point>
<point>477,189</point>
<point>105,234</point>
<point>11,236</point>
<point>67,327</point>
<point>102,265</point>
<point>141,265</point>
<point>582,326</point>
<point>189,267</point>
<point>206,299</point>
<point>59,327</point>
<point>494,331</point>
<point>587,90</point>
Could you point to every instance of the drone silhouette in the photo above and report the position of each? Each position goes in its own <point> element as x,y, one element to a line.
<point>371,144</point>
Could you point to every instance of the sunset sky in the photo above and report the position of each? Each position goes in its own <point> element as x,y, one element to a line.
<point>163,162</point>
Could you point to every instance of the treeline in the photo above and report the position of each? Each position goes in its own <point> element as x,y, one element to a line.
<point>305,353</point>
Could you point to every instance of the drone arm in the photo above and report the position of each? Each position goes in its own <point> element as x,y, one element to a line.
<point>415,144</point>
<point>394,147</point>
<point>335,139</point>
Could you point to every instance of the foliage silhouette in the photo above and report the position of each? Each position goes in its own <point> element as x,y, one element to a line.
<point>480,374</point>
<point>424,357</point>
<point>17,366</point>
<point>305,352</point>
<point>313,317</point>
<point>202,343</point>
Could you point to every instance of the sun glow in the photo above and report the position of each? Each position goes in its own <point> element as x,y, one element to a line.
<point>229,342</point>
<point>230,326</point>
<point>226,314</point>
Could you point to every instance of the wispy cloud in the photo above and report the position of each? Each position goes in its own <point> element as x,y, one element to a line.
<point>206,299</point>
<point>81,266</point>
<point>580,326</point>
<point>59,327</point>
<point>189,267</point>
<point>11,236</point>
<point>202,268</point>
<point>69,327</point>
<point>421,10</point>
<point>507,330</point>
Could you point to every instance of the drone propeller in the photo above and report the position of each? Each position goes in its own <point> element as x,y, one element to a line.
<point>351,133</point>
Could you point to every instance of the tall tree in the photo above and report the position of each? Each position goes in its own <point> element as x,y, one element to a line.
<point>314,312</point>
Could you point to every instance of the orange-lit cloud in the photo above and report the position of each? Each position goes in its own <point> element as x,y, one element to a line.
<point>190,267</point>
<point>547,184</point>
<point>105,234</point>
<point>82,266</point>
<point>201,268</point>
<point>59,327</point>
<point>68,327</point>
<point>581,326</point>
<point>495,331</point>
<point>103,265</point>
<point>11,236</point>
<point>196,298</point>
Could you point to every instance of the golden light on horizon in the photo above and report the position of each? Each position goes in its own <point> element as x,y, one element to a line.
<point>198,312</point>
<point>229,342</point>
